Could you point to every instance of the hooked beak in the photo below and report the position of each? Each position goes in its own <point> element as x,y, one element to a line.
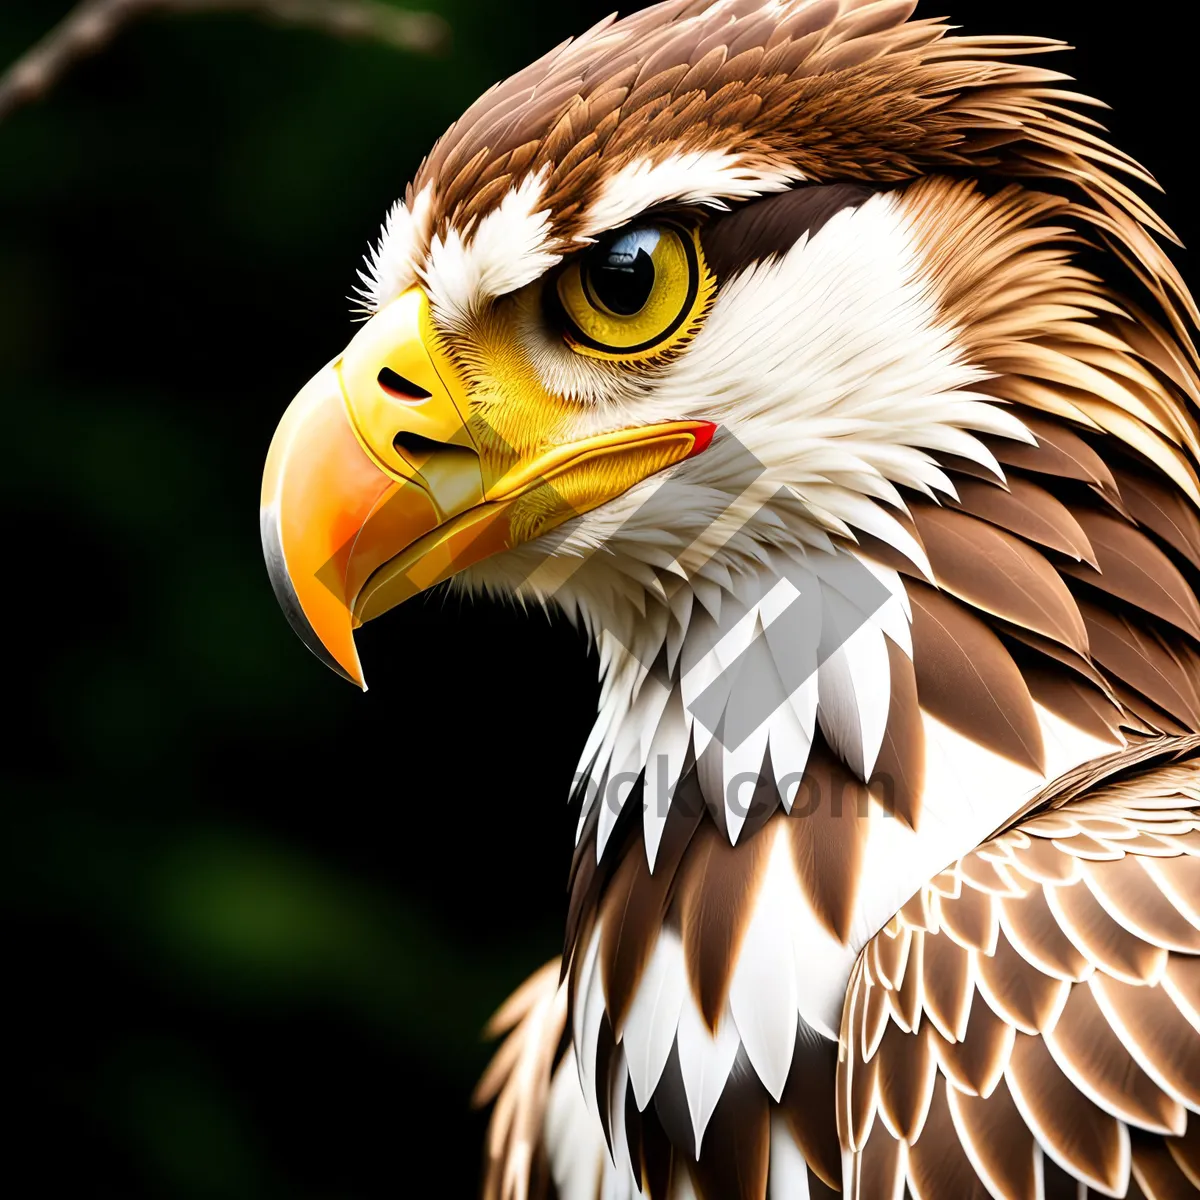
<point>377,486</point>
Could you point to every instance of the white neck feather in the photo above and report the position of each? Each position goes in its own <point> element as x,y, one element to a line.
<point>733,672</point>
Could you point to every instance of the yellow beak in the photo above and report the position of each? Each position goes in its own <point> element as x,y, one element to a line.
<point>377,487</point>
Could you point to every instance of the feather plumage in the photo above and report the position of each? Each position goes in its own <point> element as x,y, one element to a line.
<point>931,389</point>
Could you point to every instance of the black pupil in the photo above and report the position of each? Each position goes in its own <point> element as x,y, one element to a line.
<point>621,281</point>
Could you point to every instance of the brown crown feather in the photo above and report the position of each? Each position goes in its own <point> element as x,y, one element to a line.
<point>836,89</point>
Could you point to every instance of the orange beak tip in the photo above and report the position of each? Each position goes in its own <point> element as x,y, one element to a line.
<point>317,617</point>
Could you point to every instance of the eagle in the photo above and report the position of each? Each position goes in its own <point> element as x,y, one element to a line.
<point>828,370</point>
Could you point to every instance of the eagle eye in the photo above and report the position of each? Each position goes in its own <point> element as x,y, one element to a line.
<point>619,278</point>
<point>636,294</point>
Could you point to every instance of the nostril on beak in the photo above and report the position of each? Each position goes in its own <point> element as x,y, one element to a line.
<point>402,389</point>
<point>416,448</point>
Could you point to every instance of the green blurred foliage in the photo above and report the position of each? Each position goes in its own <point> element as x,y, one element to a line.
<point>259,919</point>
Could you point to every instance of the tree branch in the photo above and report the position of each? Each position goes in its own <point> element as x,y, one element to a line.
<point>91,25</point>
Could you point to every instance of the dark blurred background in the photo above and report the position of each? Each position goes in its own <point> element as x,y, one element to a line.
<point>256,919</point>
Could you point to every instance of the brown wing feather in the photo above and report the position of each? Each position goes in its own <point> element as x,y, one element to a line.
<point>715,893</point>
<point>975,1062</point>
<point>1074,700</point>
<point>1157,1172</point>
<point>630,919</point>
<point>947,986</point>
<point>996,1138</point>
<point>1144,660</point>
<point>1029,511</point>
<point>1164,511</point>
<point>1076,1132</point>
<point>899,777</point>
<point>998,573</point>
<point>1060,452</point>
<point>1085,1046</point>
<point>881,1169</point>
<point>1079,1061</point>
<point>1185,1151</point>
<point>828,826</point>
<point>1132,568</point>
<point>967,679</point>
<point>937,1162</point>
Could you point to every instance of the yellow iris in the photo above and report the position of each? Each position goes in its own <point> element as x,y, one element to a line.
<point>637,294</point>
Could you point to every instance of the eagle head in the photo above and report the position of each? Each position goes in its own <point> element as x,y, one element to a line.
<point>723,285</point>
